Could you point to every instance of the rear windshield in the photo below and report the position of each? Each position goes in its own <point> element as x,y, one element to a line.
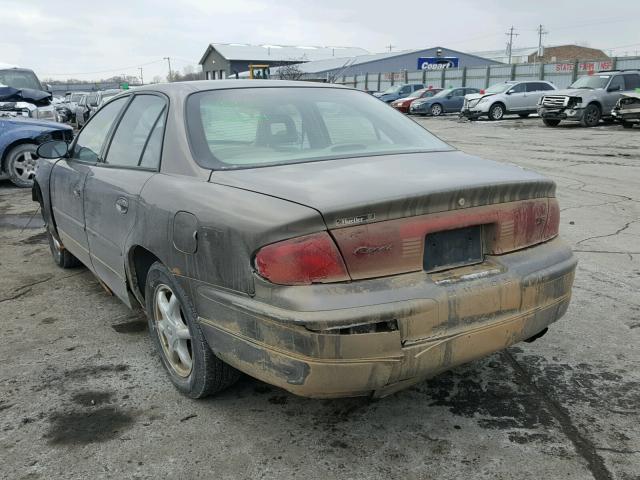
<point>250,127</point>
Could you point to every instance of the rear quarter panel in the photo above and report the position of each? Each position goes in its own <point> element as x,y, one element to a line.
<point>232,224</point>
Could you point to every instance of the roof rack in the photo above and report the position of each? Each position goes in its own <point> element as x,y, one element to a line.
<point>619,70</point>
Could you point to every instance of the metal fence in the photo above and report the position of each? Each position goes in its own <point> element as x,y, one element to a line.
<point>560,74</point>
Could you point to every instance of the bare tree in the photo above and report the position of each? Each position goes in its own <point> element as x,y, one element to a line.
<point>290,71</point>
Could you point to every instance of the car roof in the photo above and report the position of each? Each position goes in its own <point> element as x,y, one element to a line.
<point>202,85</point>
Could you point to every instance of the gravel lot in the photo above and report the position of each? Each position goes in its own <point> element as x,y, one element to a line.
<point>82,394</point>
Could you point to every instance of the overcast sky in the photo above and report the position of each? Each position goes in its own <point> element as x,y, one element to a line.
<point>91,40</point>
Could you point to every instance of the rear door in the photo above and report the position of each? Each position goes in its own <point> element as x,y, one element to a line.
<point>68,179</point>
<point>612,94</point>
<point>112,189</point>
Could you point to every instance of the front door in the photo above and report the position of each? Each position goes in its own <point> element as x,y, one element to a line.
<point>112,189</point>
<point>454,103</point>
<point>67,185</point>
<point>517,98</point>
<point>68,179</point>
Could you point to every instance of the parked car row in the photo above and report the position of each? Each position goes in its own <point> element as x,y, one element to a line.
<point>81,105</point>
<point>609,96</point>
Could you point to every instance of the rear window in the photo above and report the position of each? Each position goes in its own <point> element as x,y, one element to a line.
<point>252,127</point>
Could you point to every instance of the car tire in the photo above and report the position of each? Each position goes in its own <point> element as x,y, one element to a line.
<point>523,115</point>
<point>61,256</point>
<point>191,365</point>
<point>591,116</point>
<point>627,125</point>
<point>436,110</point>
<point>21,164</point>
<point>551,122</point>
<point>496,112</point>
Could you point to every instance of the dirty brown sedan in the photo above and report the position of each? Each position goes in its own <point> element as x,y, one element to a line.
<point>307,235</point>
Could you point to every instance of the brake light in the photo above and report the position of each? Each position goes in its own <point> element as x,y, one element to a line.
<point>482,91</point>
<point>302,261</point>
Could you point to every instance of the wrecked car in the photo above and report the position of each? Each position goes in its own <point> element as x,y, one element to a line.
<point>505,98</point>
<point>627,109</point>
<point>304,234</point>
<point>19,140</point>
<point>22,92</point>
<point>589,99</point>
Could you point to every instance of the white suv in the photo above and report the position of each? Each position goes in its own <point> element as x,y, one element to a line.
<point>502,98</point>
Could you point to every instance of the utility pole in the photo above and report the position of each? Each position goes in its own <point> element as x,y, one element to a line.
<point>141,79</point>
<point>510,34</point>
<point>541,32</point>
<point>390,47</point>
<point>169,62</point>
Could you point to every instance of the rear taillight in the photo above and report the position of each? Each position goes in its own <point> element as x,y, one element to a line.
<point>302,261</point>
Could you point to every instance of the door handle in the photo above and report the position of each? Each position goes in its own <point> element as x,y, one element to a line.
<point>122,205</point>
<point>76,192</point>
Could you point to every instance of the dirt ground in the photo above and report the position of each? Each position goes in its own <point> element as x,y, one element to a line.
<point>82,394</point>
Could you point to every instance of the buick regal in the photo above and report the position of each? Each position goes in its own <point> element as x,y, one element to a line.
<point>307,235</point>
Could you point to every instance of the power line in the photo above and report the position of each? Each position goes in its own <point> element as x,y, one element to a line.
<point>107,71</point>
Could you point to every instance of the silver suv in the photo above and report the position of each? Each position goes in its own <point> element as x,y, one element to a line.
<point>508,97</point>
<point>589,98</point>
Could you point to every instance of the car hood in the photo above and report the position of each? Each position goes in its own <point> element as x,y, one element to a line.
<point>391,186</point>
<point>25,122</point>
<point>474,96</point>
<point>572,92</point>
<point>36,97</point>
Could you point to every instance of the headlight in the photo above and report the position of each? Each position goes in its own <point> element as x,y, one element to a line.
<point>574,102</point>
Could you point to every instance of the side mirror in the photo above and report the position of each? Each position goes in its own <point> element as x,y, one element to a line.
<point>53,149</point>
<point>509,92</point>
<point>615,88</point>
<point>47,87</point>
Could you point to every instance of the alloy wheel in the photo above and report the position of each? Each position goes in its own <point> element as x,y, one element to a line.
<point>172,330</point>
<point>25,165</point>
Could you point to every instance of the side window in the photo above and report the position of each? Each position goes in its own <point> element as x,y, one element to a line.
<point>616,81</point>
<point>458,92</point>
<point>631,81</point>
<point>520,88</point>
<point>535,87</point>
<point>418,87</point>
<point>130,139</point>
<point>91,139</point>
<point>91,99</point>
<point>405,90</point>
<point>467,91</point>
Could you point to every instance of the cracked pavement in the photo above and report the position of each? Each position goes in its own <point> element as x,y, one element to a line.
<point>83,396</point>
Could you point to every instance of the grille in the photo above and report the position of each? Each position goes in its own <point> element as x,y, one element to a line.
<point>555,101</point>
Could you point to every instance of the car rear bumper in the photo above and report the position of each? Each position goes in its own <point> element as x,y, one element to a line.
<point>379,336</point>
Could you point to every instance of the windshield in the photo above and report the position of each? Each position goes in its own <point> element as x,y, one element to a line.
<point>394,89</point>
<point>252,127</point>
<point>499,88</point>
<point>591,81</point>
<point>19,79</point>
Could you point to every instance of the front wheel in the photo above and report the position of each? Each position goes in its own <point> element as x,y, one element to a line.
<point>61,256</point>
<point>436,109</point>
<point>551,122</point>
<point>178,338</point>
<point>591,116</point>
<point>496,112</point>
<point>21,165</point>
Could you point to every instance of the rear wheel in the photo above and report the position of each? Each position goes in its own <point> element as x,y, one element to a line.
<point>496,112</point>
<point>551,122</point>
<point>591,116</point>
<point>21,164</point>
<point>436,109</point>
<point>178,338</point>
